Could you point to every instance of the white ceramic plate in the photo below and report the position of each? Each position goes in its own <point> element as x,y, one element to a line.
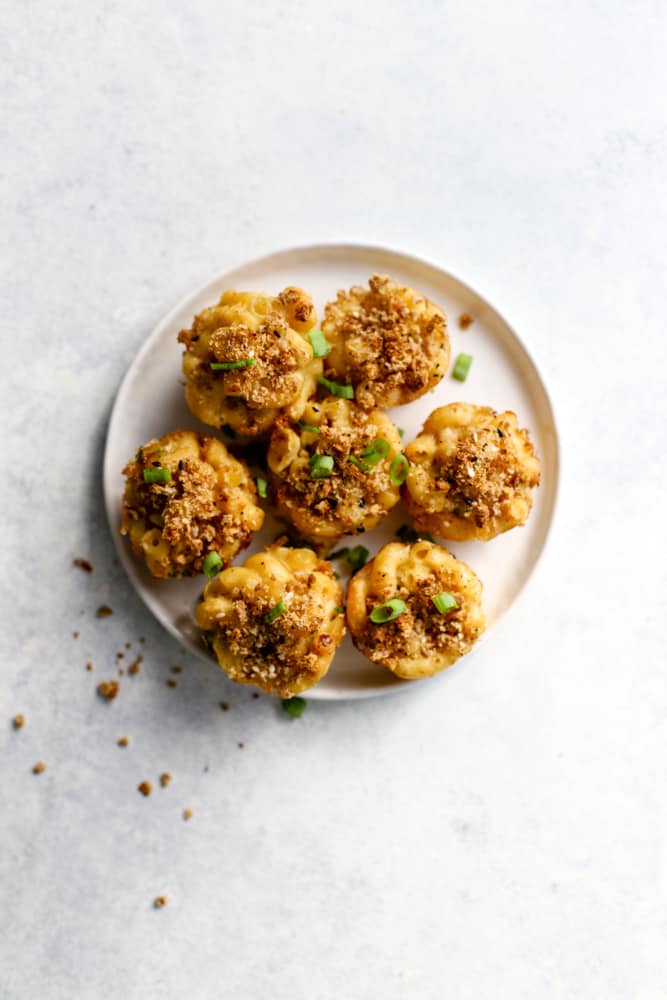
<point>150,403</point>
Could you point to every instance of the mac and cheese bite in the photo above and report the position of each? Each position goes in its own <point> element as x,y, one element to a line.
<point>337,471</point>
<point>471,473</point>
<point>276,621</point>
<point>415,609</point>
<point>189,506</point>
<point>248,359</point>
<point>387,341</point>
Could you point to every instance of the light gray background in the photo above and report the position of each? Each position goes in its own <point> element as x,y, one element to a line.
<point>499,833</point>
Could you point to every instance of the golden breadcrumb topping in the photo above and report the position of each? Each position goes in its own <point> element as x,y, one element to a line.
<point>276,621</point>
<point>207,505</point>
<point>388,341</point>
<point>471,473</point>
<point>272,367</point>
<point>421,640</point>
<point>357,492</point>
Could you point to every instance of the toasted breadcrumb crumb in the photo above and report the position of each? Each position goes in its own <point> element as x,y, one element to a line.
<point>176,670</point>
<point>165,778</point>
<point>224,706</point>
<point>241,746</point>
<point>465,320</point>
<point>123,741</point>
<point>75,635</point>
<point>83,564</point>
<point>18,721</point>
<point>108,689</point>
<point>135,666</point>
<point>103,611</point>
<point>39,767</point>
<point>187,814</point>
<point>145,788</point>
<point>89,666</point>
<point>160,901</point>
<point>171,683</point>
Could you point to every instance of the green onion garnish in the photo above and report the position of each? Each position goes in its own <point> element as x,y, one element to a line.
<point>401,432</point>
<point>157,476</point>
<point>376,451</point>
<point>228,366</point>
<point>357,557</point>
<point>445,602</point>
<point>319,343</point>
<point>337,388</point>
<point>339,609</point>
<point>321,466</point>
<point>387,612</point>
<point>408,535</point>
<point>294,706</point>
<point>309,427</point>
<point>262,486</point>
<point>359,464</point>
<point>212,565</point>
<point>398,470</point>
<point>462,367</point>
<point>276,611</point>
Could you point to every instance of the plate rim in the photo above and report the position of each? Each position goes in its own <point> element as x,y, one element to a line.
<point>316,693</point>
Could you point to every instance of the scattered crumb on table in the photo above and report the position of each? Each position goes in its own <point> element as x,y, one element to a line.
<point>145,788</point>
<point>187,814</point>
<point>135,666</point>
<point>465,320</point>
<point>89,665</point>
<point>18,721</point>
<point>165,778</point>
<point>75,635</point>
<point>103,611</point>
<point>171,683</point>
<point>83,564</point>
<point>241,746</point>
<point>39,767</point>
<point>224,706</point>
<point>123,741</point>
<point>160,901</point>
<point>108,689</point>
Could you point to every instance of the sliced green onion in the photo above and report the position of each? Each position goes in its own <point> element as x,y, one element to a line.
<point>338,554</point>
<point>401,432</point>
<point>228,366</point>
<point>357,557</point>
<point>359,464</point>
<point>337,388</point>
<point>462,367</point>
<point>387,612</point>
<point>262,486</point>
<point>445,602</point>
<point>212,565</point>
<point>276,611</point>
<point>157,476</point>
<point>321,466</point>
<point>408,535</point>
<point>398,470</point>
<point>309,427</point>
<point>294,706</point>
<point>339,609</point>
<point>319,343</point>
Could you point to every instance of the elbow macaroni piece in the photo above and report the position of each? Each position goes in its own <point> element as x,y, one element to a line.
<point>471,473</point>
<point>208,505</point>
<point>293,649</point>
<point>269,332</point>
<point>356,495</point>
<point>421,641</point>
<point>389,341</point>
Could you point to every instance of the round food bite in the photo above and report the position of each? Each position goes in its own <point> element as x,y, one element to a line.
<point>276,621</point>
<point>471,473</point>
<point>388,341</point>
<point>337,471</point>
<point>189,506</point>
<point>415,609</point>
<point>248,359</point>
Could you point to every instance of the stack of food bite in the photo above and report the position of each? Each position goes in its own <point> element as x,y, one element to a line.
<point>314,400</point>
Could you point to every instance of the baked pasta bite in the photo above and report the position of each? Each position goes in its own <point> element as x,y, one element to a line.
<point>337,471</point>
<point>471,473</point>
<point>387,341</point>
<point>415,609</point>
<point>188,506</point>
<point>275,622</point>
<point>248,359</point>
